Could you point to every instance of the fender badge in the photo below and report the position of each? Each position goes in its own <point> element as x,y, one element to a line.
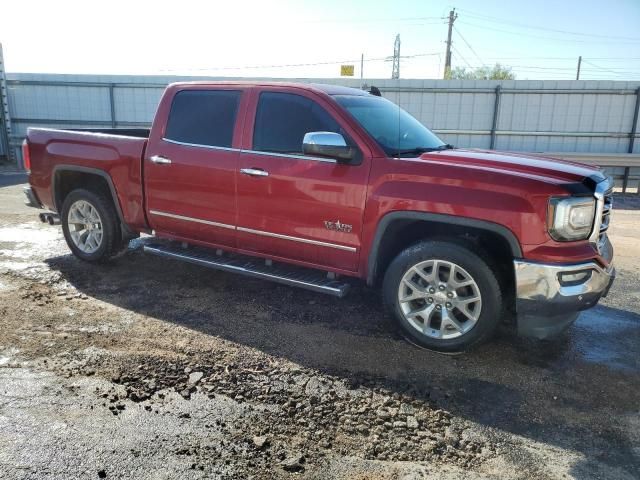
<point>338,226</point>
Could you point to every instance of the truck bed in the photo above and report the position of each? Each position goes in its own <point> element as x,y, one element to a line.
<point>125,132</point>
<point>116,154</point>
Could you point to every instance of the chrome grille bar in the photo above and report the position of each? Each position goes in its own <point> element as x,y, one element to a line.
<point>604,202</point>
<point>606,211</point>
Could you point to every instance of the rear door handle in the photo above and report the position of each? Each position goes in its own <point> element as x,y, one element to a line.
<point>254,172</point>
<point>160,160</point>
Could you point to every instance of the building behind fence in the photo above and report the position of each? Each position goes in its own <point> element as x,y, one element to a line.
<point>586,117</point>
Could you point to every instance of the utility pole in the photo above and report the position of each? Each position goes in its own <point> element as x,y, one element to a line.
<point>395,73</point>
<point>361,69</point>
<point>579,64</point>
<point>447,59</point>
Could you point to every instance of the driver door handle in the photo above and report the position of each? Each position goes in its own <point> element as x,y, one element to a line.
<point>254,172</point>
<point>160,160</point>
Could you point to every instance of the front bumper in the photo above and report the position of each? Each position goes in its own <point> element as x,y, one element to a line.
<point>549,297</point>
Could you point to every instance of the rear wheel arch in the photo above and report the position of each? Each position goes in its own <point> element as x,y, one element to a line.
<point>91,226</point>
<point>67,178</point>
<point>398,230</point>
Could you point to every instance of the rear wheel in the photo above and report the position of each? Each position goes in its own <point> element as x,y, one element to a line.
<point>91,226</point>
<point>443,296</point>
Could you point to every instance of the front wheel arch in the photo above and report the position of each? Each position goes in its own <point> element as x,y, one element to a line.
<point>398,230</point>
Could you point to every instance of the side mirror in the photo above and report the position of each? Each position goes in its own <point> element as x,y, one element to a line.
<point>328,144</point>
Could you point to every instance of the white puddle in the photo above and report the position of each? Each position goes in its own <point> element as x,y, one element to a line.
<point>5,357</point>
<point>6,288</point>
<point>29,234</point>
<point>16,266</point>
<point>15,253</point>
<point>21,244</point>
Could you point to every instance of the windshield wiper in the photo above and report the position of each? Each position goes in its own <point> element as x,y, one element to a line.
<point>420,150</point>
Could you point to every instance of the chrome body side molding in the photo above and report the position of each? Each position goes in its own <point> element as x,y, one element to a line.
<point>297,239</point>
<point>254,152</point>
<point>255,232</point>
<point>191,219</point>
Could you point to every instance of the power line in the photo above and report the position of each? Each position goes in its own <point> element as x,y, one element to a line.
<point>376,20</point>
<point>561,69</point>
<point>468,44</point>
<point>289,65</point>
<point>547,29</point>
<point>614,59</point>
<point>618,72</point>
<point>521,34</point>
<point>460,55</point>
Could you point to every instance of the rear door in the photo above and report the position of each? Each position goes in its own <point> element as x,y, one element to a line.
<point>190,166</point>
<point>294,206</point>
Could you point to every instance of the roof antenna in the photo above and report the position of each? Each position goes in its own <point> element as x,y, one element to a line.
<point>375,91</point>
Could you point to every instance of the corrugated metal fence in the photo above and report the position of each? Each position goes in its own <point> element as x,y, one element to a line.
<point>596,117</point>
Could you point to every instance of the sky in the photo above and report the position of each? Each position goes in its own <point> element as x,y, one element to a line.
<point>312,38</point>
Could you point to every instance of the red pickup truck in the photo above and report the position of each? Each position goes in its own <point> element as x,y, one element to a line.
<point>310,184</point>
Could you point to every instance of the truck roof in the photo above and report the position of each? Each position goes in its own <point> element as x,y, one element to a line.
<point>323,87</point>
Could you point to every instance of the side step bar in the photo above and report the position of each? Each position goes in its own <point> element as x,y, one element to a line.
<point>289,275</point>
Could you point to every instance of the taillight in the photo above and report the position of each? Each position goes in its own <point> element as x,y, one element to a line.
<point>26,156</point>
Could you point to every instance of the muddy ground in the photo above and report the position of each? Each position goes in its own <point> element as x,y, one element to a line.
<point>148,368</point>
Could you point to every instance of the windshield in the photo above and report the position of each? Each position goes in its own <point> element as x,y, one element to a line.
<point>396,131</point>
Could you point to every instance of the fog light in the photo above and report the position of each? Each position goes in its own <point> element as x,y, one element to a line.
<point>574,278</point>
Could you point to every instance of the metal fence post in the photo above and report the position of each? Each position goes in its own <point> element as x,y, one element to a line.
<point>5,121</point>
<point>496,116</point>
<point>625,179</point>
<point>634,123</point>
<point>632,140</point>
<point>112,104</point>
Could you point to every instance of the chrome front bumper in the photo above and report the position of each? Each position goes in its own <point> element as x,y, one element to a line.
<point>549,297</point>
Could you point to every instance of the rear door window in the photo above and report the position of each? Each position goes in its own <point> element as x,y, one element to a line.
<point>282,119</point>
<point>203,117</point>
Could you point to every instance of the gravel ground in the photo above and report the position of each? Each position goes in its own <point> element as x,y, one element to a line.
<point>148,368</point>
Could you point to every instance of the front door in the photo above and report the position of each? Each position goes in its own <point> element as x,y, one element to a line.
<point>294,206</point>
<point>190,170</point>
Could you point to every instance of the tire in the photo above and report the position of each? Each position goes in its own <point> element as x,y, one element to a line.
<point>437,314</point>
<point>110,242</point>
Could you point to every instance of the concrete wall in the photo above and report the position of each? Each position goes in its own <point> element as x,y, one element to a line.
<point>533,116</point>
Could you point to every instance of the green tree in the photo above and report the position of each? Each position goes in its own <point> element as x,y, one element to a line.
<point>497,72</point>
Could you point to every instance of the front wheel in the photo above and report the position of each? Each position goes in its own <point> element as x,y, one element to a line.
<point>443,296</point>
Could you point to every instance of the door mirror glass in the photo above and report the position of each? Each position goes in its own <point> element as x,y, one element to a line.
<point>328,144</point>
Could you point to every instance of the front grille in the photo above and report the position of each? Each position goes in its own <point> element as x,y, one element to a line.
<point>606,217</point>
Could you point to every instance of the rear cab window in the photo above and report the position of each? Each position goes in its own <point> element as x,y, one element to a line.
<point>282,120</point>
<point>203,117</point>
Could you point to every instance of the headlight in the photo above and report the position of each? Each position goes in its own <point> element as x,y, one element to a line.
<point>571,218</point>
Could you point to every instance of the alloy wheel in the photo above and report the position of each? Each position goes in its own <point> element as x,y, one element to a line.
<point>85,226</point>
<point>440,299</point>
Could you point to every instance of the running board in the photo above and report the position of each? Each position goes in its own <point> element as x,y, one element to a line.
<point>253,267</point>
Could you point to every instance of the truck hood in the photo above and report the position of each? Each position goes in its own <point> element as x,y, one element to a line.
<point>554,169</point>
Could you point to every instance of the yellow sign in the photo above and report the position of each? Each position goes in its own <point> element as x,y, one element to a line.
<point>346,70</point>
